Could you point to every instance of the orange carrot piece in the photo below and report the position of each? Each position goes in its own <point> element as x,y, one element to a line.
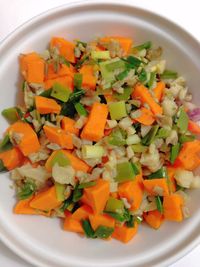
<point>193,127</point>
<point>84,199</point>
<point>58,136</point>
<point>97,220</point>
<point>65,48</point>
<point>25,59</point>
<point>146,117</point>
<point>76,163</point>
<point>109,98</point>
<point>67,81</point>
<point>172,206</point>
<point>98,195</point>
<point>35,71</point>
<point>92,130</point>
<point>154,186</point>
<point>63,70</point>
<point>125,234</point>
<point>67,125</point>
<point>12,158</point>
<point>28,141</point>
<point>45,200</point>
<point>45,105</point>
<point>132,191</point>
<point>172,182</point>
<point>125,42</point>
<point>159,90</point>
<point>72,225</point>
<point>82,213</point>
<point>87,69</point>
<point>154,218</point>
<point>142,93</point>
<point>89,81</point>
<point>188,156</point>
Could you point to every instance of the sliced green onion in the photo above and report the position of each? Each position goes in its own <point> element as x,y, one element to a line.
<point>81,110</point>
<point>87,184</point>
<point>136,168</point>
<point>2,167</point>
<point>174,152</point>
<point>104,231</point>
<point>161,173</point>
<point>125,172</point>
<point>169,74</point>
<point>100,55</point>
<point>63,60</point>
<point>77,194</point>
<point>66,204</point>
<point>151,79</point>
<point>114,205</point>
<point>46,93</point>
<point>60,92</point>
<point>131,222</point>
<point>5,143</point>
<point>149,138</point>
<point>163,133</point>
<point>159,204</point>
<point>27,190</point>
<point>78,78</point>
<point>92,151</point>
<point>60,189</point>
<point>117,110</point>
<point>10,114</point>
<point>116,216</point>
<point>60,159</point>
<point>122,75</point>
<point>145,45</point>
<point>186,138</point>
<point>183,120</point>
<point>81,61</point>
<point>132,62</point>
<point>142,76</point>
<point>89,232</point>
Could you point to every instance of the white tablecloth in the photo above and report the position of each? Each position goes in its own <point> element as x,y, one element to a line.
<point>15,12</point>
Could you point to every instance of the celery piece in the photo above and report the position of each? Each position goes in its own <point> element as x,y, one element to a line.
<point>183,120</point>
<point>125,172</point>
<point>139,148</point>
<point>117,110</point>
<point>159,204</point>
<point>163,133</point>
<point>186,138</point>
<point>151,79</point>
<point>92,151</point>
<point>10,114</point>
<point>126,94</point>
<point>5,143</point>
<point>174,152</point>
<point>142,76</point>
<point>114,205</point>
<point>60,189</point>
<point>60,159</point>
<point>169,74</point>
<point>108,67</point>
<point>149,138</point>
<point>100,55</point>
<point>46,93</point>
<point>2,167</point>
<point>60,92</point>
<point>103,231</point>
<point>78,78</point>
<point>161,173</point>
<point>115,64</point>
<point>145,45</point>
<point>116,138</point>
<point>80,109</point>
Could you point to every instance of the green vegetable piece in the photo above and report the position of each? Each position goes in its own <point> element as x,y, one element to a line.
<point>81,61</point>
<point>100,55</point>
<point>77,194</point>
<point>92,151</point>
<point>122,75</point>
<point>150,137</point>
<point>114,205</point>
<point>103,231</point>
<point>151,79</point>
<point>60,189</point>
<point>138,219</point>
<point>183,120</point>
<point>145,45</point>
<point>131,222</point>
<point>60,92</point>
<point>117,138</point>
<point>159,204</point>
<point>125,172</point>
<point>118,217</point>
<point>186,138</point>
<point>78,78</point>
<point>126,94</point>
<point>46,93</point>
<point>174,152</point>
<point>163,133</point>
<point>89,232</point>
<point>81,110</point>
<point>2,167</point>
<point>87,184</point>
<point>161,173</point>
<point>63,60</point>
<point>142,76</point>
<point>139,148</point>
<point>27,190</point>
<point>5,144</point>
<point>67,204</point>
<point>132,62</point>
<point>117,110</point>
<point>169,74</point>
<point>60,159</point>
<point>108,67</point>
<point>115,64</point>
<point>136,168</point>
<point>10,114</point>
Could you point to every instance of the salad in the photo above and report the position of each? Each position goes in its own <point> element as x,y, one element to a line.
<point>107,138</point>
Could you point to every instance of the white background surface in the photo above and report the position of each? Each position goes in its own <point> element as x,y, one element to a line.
<point>15,12</point>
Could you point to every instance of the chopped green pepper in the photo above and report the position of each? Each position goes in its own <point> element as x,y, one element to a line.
<point>117,110</point>
<point>161,173</point>
<point>10,114</point>
<point>103,231</point>
<point>114,205</point>
<point>60,92</point>
<point>125,172</point>
<point>46,93</point>
<point>174,152</point>
<point>116,138</point>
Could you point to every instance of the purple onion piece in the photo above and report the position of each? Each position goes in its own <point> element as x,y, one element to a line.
<point>194,114</point>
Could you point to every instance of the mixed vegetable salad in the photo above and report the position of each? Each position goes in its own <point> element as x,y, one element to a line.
<point>106,138</point>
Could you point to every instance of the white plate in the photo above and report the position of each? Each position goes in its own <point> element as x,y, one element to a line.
<point>42,241</point>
